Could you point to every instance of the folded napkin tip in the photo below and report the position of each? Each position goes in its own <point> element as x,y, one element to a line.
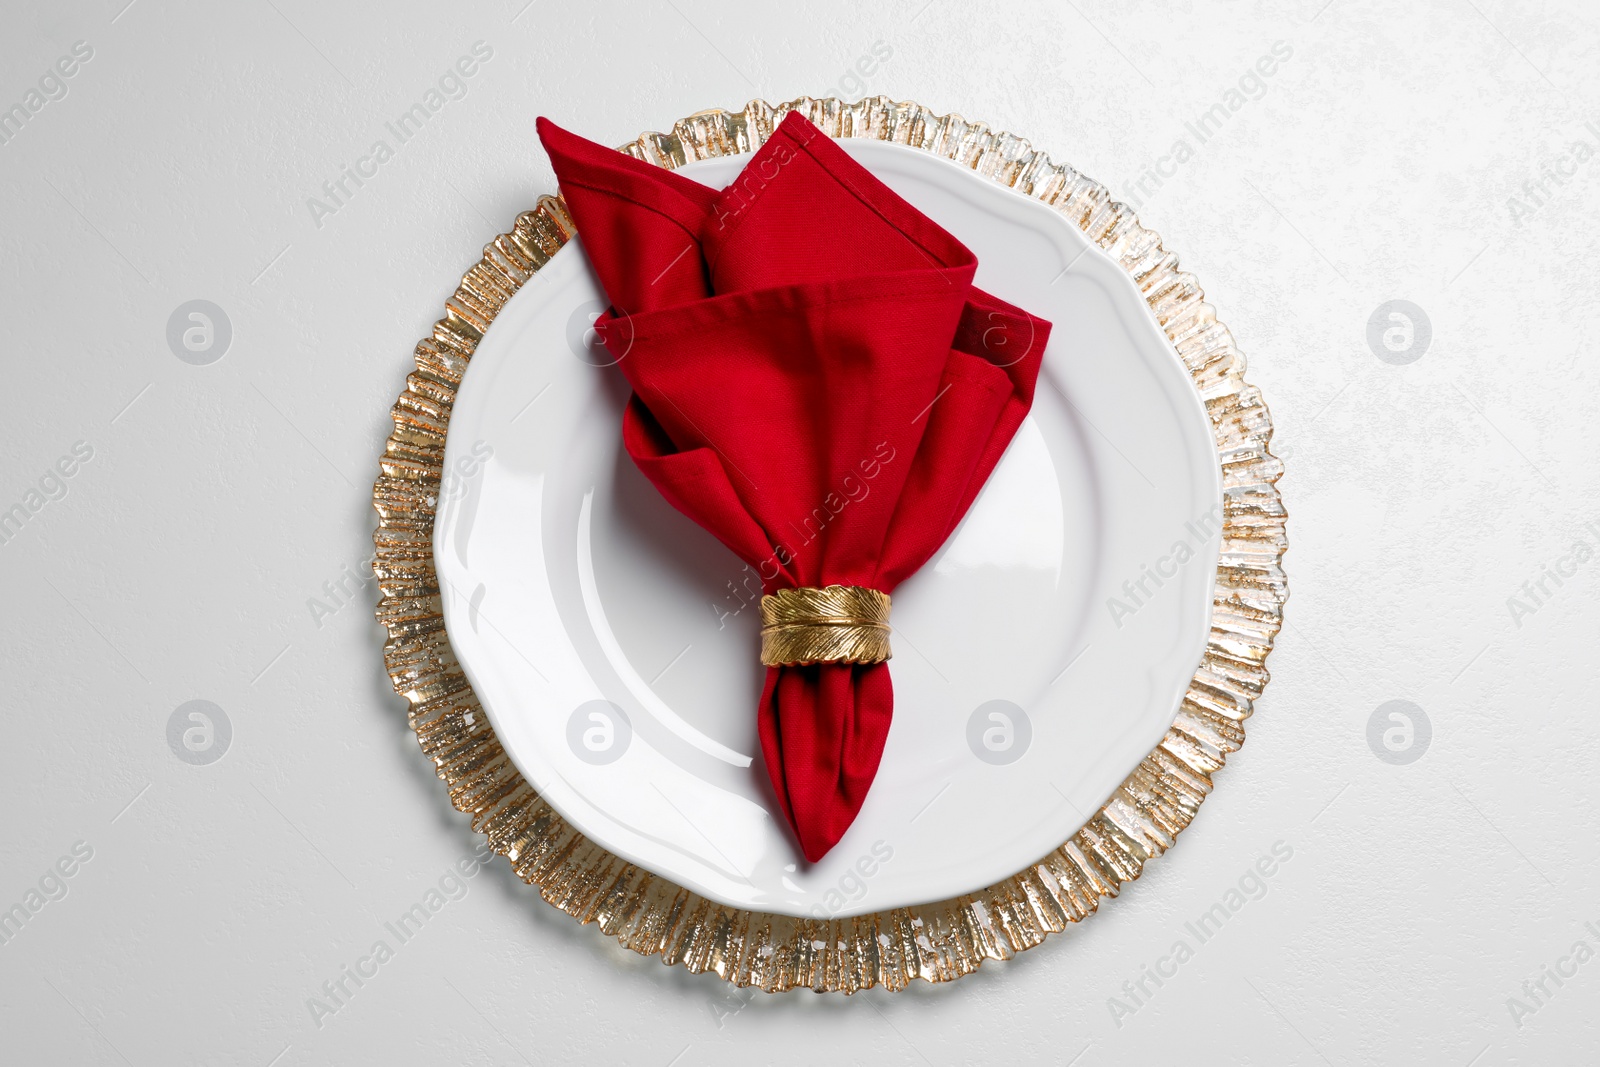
<point>561,142</point>
<point>547,130</point>
<point>794,120</point>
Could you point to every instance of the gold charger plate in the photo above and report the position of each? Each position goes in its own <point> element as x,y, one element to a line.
<point>938,941</point>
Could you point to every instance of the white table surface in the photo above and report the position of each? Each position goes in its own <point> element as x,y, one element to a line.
<point>1399,153</point>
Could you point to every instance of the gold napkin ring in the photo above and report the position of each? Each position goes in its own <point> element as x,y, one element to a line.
<point>834,624</point>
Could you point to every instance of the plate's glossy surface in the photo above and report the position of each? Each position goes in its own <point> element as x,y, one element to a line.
<point>1038,658</point>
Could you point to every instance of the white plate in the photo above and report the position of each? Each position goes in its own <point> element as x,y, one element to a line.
<point>607,638</point>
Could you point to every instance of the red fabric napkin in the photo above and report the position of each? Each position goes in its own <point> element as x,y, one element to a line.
<point>817,383</point>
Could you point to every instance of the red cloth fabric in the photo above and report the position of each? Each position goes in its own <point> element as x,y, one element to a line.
<point>817,383</point>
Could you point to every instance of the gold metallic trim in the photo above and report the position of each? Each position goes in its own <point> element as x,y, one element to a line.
<point>941,940</point>
<point>833,624</point>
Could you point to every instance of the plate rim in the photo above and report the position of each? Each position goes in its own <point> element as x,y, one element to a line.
<point>941,940</point>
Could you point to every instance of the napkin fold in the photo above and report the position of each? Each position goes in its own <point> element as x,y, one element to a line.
<point>817,383</point>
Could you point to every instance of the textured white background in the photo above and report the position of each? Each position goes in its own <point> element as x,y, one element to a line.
<point>1379,164</point>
